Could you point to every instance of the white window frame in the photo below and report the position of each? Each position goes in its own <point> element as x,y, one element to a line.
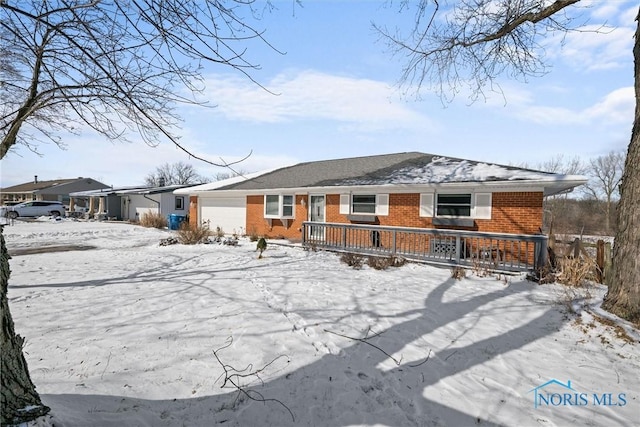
<point>480,205</point>
<point>436,204</point>
<point>381,204</point>
<point>375,204</point>
<point>281,205</point>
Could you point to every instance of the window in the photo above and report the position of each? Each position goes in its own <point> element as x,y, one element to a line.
<point>287,206</point>
<point>278,206</point>
<point>179,203</point>
<point>363,204</point>
<point>453,205</point>
<point>272,205</point>
<point>475,205</point>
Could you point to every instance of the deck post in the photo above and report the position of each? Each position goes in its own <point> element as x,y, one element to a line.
<point>344,237</point>
<point>541,256</point>
<point>393,243</point>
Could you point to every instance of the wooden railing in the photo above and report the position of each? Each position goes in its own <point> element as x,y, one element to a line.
<point>494,251</point>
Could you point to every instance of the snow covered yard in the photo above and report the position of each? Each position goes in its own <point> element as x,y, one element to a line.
<point>124,334</point>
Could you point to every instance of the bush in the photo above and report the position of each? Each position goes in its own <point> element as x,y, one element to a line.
<point>382,263</point>
<point>219,232</point>
<point>153,220</point>
<point>458,273</point>
<point>253,234</point>
<point>352,260</point>
<point>191,235</point>
<point>575,272</point>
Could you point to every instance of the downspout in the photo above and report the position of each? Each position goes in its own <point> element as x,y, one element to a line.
<point>154,201</point>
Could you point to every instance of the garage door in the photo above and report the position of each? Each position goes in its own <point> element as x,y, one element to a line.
<point>228,213</point>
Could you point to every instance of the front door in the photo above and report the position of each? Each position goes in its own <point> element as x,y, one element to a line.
<point>316,214</point>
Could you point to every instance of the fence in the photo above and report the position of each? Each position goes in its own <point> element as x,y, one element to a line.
<point>495,251</point>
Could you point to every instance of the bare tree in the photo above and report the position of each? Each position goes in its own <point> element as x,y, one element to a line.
<point>178,173</point>
<point>119,68</point>
<point>556,206</point>
<point>604,185</point>
<point>562,165</point>
<point>226,175</point>
<point>116,67</point>
<point>477,41</point>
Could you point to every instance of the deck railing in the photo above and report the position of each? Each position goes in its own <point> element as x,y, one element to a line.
<point>494,251</point>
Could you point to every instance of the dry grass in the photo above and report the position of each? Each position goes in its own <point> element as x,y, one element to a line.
<point>191,235</point>
<point>575,272</point>
<point>153,220</point>
<point>618,330</point>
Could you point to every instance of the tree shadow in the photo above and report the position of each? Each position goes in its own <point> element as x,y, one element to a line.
<point>357,385</point>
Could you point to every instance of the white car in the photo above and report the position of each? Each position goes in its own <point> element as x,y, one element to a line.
<point>35,208</point>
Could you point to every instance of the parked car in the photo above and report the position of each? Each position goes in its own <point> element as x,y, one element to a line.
<point>35,208</point>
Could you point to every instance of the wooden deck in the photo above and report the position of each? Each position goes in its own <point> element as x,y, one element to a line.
<point>493,251</point>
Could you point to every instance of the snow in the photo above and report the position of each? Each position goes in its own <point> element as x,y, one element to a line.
<point>123,333</point>
<point>444,169</point>
<point>222,183</point>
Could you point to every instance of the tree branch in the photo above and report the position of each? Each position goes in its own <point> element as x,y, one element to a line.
<point>234,376</point>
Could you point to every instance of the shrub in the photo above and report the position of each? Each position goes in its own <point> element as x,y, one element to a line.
<point>153,220</point>
<point>575,271</point>
<point>219,232</point>
<point>382,263</point>
<point>458,273</point>
<point>253,234</point>
<point>191,235</point>
<point>352,260</point>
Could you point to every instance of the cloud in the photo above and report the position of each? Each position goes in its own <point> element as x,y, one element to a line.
<point>614,108</point>
<point>311,95</point>
<point>604,43</point>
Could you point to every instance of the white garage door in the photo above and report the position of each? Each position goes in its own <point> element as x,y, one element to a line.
<point>228,213</point>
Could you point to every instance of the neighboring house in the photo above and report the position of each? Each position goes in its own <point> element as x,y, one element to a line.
<point>57,189</point>
<point>131,203</point>
<point>404,189</point>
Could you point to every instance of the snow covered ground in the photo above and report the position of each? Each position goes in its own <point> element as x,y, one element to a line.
<point>123,333</point>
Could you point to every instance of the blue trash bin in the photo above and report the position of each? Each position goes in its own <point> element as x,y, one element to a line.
<point>175,221</point>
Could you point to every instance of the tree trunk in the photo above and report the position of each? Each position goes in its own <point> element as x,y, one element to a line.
<point>623,297</point>
<point>20,401</point>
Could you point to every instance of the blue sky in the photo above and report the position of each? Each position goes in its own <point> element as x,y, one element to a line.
<point>338,98</point>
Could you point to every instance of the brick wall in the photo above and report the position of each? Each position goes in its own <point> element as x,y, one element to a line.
<point>193,211</point>
<point>257,224</point>
<point>519,213</point>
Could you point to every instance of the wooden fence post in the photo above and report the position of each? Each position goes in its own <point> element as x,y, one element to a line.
<point>600,261</point>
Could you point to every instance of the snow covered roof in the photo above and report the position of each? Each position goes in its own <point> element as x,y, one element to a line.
<point>127,190</point>
<point>402,169</point>
<point>222,183</point>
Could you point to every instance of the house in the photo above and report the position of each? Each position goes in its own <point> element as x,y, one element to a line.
<point>131,203</point>
<point>402,190</point>
<point>54,190</point>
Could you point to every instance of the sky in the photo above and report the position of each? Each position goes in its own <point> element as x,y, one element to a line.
<point>336,346</point>
<point>336,95</point>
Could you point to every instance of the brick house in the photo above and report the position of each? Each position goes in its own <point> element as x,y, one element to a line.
<point>401,190</point>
